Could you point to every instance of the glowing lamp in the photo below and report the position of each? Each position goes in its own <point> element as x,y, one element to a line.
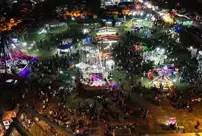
<point>24,44</point>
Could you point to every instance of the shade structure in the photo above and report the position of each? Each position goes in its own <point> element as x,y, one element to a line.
<point>64,46</point>
<point>114,37</point>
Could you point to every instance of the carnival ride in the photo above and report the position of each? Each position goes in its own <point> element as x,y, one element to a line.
<point>107,39</point>
<point>95,69</point>
<point>140,22</point>
<point>164,81</point>
<point>112,37</point>
<point>94,77</point>
<point>12,61</point>
<point>106,31</point>
<point>107,28</point>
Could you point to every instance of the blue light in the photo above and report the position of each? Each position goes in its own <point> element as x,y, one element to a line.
<point>178,28</point>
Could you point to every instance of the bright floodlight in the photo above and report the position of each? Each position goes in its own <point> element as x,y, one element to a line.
<point>134,13</point>
<point>163,50</point>
<point>165,67</point>
<point>24,44</point>
<point>73,18</point>
<point>191,47</point>
<point>153,18</point>
<point>158,49</point>
<point>142,13</point>
<point>149,5</point>
<point>14,40</point>
<point>85,31</point>
<point>13,45</point>
<point>43,31</point>
<point>110,62</point>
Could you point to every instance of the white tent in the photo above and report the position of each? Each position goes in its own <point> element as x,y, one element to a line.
<point>82,65</point>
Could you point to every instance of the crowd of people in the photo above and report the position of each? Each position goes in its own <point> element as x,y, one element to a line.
<point>52,96</point>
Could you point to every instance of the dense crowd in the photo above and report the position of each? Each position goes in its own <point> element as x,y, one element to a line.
<point>51,96</point>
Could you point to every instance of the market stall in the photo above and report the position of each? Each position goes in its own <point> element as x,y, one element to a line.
<point>64,48</point>
<point>106,31</point>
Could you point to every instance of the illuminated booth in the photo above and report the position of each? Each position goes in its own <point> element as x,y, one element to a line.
<point>87,40</point>
<point>118,22</point>
<point>109,22</point>
<point>64,48</point>
<point>108,39</point>
<point>106,31</point>
<point>112,37</point>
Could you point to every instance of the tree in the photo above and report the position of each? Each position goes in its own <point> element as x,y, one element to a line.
<point>94,5</point>
<point>128,60</point>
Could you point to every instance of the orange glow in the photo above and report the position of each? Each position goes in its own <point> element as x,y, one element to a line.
<point>113,12</point>
<point>77,13</point>
<point>6,26</point>
<point>167,18</point>
<point>138,6</point>
<point>126,11</point>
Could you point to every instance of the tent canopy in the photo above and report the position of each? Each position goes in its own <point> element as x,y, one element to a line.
<point>82,65</point>
<point>64,46</point>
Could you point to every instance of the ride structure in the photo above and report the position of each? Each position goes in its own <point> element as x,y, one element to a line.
<point>12,61</point>
<point>164,80</point>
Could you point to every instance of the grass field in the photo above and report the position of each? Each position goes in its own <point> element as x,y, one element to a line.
<point>72,30</point>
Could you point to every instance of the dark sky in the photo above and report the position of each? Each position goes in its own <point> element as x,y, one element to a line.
<point>191,4</point>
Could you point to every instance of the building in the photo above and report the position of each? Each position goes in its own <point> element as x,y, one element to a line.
<point>106,3</point>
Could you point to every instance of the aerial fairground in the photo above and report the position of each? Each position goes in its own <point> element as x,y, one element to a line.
<point>100,68</point>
